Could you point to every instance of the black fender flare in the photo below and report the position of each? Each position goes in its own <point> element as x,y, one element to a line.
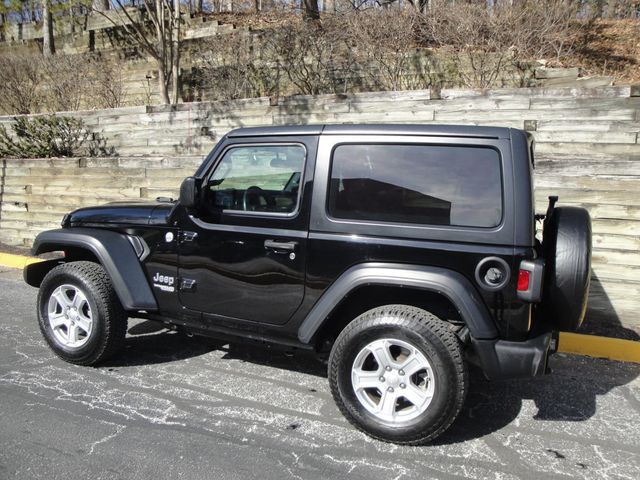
<point>114,252</point>
<point>452,285</point>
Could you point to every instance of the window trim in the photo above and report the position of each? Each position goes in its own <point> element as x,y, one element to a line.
<point>370,221</point>
<point>245,213</point>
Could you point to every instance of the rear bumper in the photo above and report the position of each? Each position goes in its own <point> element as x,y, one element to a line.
<point>500,359</point>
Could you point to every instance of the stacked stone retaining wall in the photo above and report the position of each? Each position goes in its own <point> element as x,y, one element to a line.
<point>587,152</point>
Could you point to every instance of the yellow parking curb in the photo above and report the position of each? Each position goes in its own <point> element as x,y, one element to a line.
<point>600,347</point>
<point>16,261</point>
<point>588,345</point>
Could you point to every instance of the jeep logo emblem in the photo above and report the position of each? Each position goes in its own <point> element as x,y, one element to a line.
<point>163,282</point>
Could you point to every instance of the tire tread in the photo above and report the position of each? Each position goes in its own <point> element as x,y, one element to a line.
<point>114,316</point>
<point>425,324</point>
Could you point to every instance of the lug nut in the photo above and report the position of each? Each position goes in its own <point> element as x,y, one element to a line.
<point>402,385</point>
<point>382,379</point>
<point>390,389</point>
<point>387,368</point>
<point>401,372</point>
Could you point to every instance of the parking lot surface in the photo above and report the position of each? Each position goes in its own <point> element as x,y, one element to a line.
<point>170,406</point>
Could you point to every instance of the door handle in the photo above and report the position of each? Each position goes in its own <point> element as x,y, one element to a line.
<point>286,246</point>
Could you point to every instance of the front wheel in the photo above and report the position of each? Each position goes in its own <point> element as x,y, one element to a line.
<point>397,373</point>
<point>79,314</point>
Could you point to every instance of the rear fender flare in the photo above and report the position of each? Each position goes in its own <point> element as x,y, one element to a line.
<point>452,285</point>
<point>114,252</point>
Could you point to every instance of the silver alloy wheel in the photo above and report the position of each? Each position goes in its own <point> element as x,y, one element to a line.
<point>70,316</point>
<point>393,380</point>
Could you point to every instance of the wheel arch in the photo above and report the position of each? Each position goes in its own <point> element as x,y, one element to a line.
<point>367,297</point>
<point>110,249</point>
<point>421,285</point>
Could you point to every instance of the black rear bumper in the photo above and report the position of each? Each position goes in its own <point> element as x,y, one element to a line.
<point>500,359</point>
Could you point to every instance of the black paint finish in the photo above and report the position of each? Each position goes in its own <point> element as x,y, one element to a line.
<point>119,213</point>
<point>239,274</point>
<point>115,253</point>
<point>266,277</point>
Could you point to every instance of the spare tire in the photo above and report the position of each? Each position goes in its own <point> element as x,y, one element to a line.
<point>567,252</point>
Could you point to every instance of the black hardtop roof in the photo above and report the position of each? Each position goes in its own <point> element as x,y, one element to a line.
<point>374,129</point>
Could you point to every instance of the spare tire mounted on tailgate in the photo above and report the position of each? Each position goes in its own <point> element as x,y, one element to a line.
<point>567,252</point>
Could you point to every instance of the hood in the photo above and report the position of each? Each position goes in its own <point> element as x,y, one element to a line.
<point>121,213</point>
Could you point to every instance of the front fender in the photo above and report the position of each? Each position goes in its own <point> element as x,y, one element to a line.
<point>114,252</point>
<point>448,283</point>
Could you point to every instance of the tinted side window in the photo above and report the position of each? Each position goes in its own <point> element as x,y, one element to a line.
<point>422,184</point>
<point>257,178</point>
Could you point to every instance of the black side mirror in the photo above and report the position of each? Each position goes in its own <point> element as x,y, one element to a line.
<point>189,192</point>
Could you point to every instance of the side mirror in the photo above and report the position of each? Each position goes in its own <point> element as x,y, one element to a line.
<point>189,192</point>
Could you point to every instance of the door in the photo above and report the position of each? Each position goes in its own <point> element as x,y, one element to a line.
<point>242,252</point>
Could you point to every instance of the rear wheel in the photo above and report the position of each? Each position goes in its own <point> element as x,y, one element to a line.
<point>397,373</point>
<point>79,314</point>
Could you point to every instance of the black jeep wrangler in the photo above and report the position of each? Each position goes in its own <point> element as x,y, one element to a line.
<point>404,252</point>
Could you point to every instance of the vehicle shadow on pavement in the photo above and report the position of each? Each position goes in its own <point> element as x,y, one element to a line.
<point>569,394</point>
<point>277,357</point>
<point>150,343</point>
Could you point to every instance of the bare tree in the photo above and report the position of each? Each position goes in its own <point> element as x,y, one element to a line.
<point>311,55</point>
<point>33,83</point>
<point>311,10</point>
<point>231,67</point>
<point>101,5</point>
<point>613,8</point>
<point>542,29</point>
<point>105,84</point>
<point>155,28</point>
<point>485,42</point>
<point>384,44</point>
<point>65,77</point>
<point>20,81</point>
<point>421,6</point>
<point>48,47</point>
<point>175,49</point>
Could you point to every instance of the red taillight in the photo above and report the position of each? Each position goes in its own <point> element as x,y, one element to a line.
<point>523,280</point>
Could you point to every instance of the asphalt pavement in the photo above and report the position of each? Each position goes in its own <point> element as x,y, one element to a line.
<point>170,406</point>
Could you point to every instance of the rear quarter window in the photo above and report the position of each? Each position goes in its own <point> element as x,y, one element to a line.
<point>417,184</point>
